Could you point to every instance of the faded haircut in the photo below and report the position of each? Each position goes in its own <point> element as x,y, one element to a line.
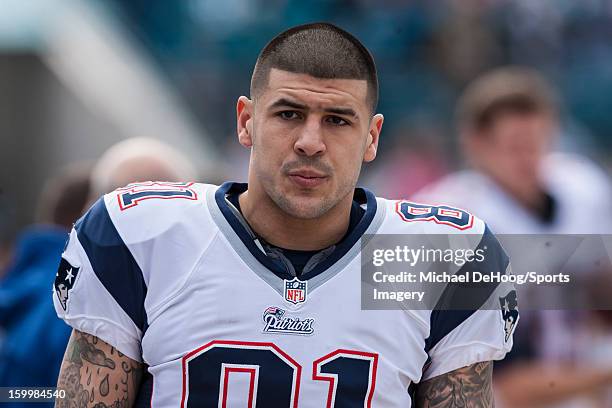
<point>321,50</point>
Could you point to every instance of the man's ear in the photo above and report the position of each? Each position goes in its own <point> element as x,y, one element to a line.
<point>244,121</point>
<point>373,136</point>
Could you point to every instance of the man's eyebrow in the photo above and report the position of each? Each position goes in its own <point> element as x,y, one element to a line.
<point>283,102</point>
<point>342,111</point>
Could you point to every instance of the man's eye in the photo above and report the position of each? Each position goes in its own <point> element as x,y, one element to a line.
<point>337,121</point>
<point>288,115</point>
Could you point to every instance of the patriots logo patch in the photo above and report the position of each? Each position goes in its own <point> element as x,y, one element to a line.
<point>64,281</point>
<point>509,312</point>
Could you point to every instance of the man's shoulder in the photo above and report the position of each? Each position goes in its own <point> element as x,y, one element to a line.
<point>460,189</point>
<point>141,212</point>
<point>147,196</point>
<point>407,216</point>
<point>575,177</point>
<point>122,250</point>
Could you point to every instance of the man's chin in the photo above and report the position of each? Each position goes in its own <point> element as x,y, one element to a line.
<point>304,207</point>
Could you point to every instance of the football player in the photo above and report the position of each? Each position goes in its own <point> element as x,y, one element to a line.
<point>186,294</point>
<point>508,120</point>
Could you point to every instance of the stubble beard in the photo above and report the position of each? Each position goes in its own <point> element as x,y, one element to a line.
<point>304,207</point>
<point>301,208</point>
<point>298,207</point>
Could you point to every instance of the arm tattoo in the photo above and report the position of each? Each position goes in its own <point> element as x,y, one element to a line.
<point>468,387</point>
<point>94,374</point>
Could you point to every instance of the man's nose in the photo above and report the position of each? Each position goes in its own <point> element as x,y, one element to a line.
<point>310,140</point>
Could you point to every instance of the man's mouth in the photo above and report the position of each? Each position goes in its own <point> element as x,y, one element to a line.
<point>307,178</point>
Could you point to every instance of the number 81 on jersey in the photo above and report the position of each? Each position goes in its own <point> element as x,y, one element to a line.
<point>273,376</point>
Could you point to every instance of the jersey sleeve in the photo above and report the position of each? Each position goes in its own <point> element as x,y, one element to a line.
<point>99,288</point>
<point>463,336</point>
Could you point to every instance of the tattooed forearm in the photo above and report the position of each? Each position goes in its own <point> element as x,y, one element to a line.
<point>95,374</point>
<point>468,387</point>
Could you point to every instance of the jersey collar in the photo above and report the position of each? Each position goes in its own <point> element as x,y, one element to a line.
<point>239,227</point>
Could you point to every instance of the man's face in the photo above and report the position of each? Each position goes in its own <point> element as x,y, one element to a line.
<point>513,147</point>
<point>308,139</point>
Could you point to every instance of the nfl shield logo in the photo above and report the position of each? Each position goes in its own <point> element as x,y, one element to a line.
<point>295,291</point>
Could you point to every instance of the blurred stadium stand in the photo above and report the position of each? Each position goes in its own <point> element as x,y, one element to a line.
<point>73,83</point>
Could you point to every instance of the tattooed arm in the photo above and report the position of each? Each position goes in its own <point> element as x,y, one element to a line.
<point>95,374</point>
<point>467,387</point>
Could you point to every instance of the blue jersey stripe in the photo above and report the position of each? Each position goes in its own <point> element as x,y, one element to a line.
<point>113,263</point>
<point>459,301</point>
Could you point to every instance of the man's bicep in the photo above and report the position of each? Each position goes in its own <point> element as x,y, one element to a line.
<point>468,387</point>
<point>94,372</point>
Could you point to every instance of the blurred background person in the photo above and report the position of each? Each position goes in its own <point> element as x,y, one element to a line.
<point>508,123</point>
<point>508,120</point>
<point>33,340</point>
<point>138,160</point>
<point>32,344</point>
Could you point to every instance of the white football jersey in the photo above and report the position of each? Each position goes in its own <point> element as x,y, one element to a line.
<point>168,274</point>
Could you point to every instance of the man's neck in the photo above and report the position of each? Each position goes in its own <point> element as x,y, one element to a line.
<point>281,229</point>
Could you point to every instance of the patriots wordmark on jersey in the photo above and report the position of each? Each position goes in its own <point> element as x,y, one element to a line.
<point>169,274</point>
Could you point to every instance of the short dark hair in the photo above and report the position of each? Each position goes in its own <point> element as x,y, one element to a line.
<point>321,50</point>
<point>510,89</point>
